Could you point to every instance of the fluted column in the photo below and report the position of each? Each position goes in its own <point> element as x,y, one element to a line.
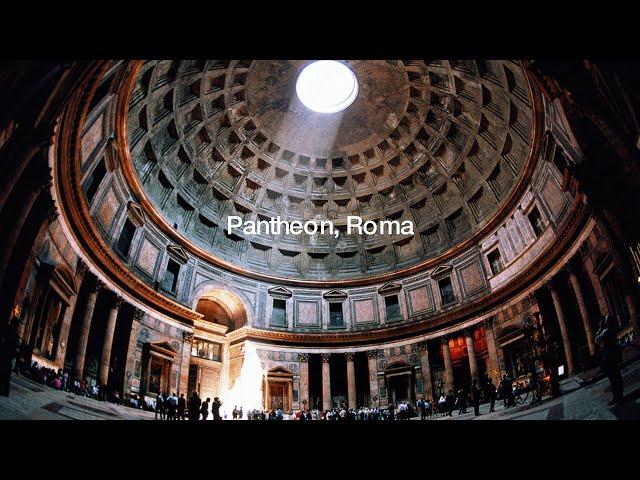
<point>448,366</point>
<point>372,355</point>
<point>584,312</point>
<point>303,360</point>
<point>564,332</point>
<point>425,367</point>
<point>492,350</point>
<point>326,382</point>
<point>105,360</point>
<point>351,380</point>
<point>83,339</point>
<point>471,353</point>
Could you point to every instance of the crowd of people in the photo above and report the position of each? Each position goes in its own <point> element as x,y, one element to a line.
<point>171,407</point>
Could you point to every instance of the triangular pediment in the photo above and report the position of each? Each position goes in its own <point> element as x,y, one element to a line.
<point>111,157</point>
<point>335,295</point>
<point>389,288</point>
<point>441,270</point>
<point>136,214</point>
<point>280,292</point>
<point>177,253</point>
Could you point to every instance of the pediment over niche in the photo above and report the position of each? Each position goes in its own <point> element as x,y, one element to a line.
<point>135,213</point>
<point>441,270</point>
<point>336,295</point>
<point>177,253</point>
<point>279,371</point>
<point>389,288</point>
<point>280,292</point>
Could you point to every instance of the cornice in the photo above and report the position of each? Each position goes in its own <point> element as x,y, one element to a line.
<point>578,218</point>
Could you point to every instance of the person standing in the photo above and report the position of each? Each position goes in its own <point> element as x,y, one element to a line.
<point>204,409</point>
<point>504,390</point>
<point>462,401</point>
<point>451,401</point>
<point>215,408</point>
<point>194,406</point>
<point>240,414</point>
<point>607,338</point>
<point>391,410</point>
<point>159,407</point>
<point>172,406</point>
<point>475,396</point>
<point>422,405</point>
<point>491,388</point>
<point>182,404</point>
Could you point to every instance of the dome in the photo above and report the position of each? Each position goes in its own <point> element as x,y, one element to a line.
<point>439,143</point>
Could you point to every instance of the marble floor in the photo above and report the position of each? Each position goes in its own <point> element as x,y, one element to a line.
<point>580,401</point>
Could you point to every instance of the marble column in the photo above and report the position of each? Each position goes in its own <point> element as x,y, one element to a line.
<point>492,350</point>
<point>83,339</point>
<point>448,366</point>
<point>183,372</point>
<point>426,370</point>
<point>105,359</point>
<point>351,380</point>
<point>564,332</point>
<point>61,350</point>
<point>131,352</point>
<point>471,353</point>
<point>584,312</point>
<point>303,360</point>
<point>326,382</point>
<point>372,356</point>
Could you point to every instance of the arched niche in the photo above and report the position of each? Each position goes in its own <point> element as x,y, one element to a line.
<point>222,307</point>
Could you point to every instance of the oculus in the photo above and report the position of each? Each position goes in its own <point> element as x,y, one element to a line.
<point>326,86</point>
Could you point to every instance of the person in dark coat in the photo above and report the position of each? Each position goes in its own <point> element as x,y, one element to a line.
<point>506,386</point>
<point>182,405</point>
<point>215,408</point>
<point>462,401</point>
<point>194,406</point>
<point>160,407</point>
<point>475,396</point>
<point>204,409</point>
<point>491,389</point>
<point>8,347</point>
<point>607,338</point>
<point>392,410</point>
<point>451,401</point>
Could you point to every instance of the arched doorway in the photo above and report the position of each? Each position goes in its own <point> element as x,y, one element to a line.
<point>222,307</point>
<point>223,311</point>
<point>400,381</point>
